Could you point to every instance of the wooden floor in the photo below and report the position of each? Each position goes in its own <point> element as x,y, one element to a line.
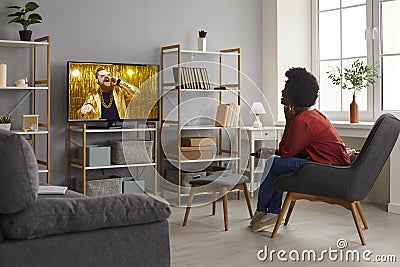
<point>312,226</point>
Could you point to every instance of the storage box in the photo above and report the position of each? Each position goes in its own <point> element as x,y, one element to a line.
<point>186,177</point>
<point>130,185</point>
<point>97,155</point>
<point>104,187</point>
<point>200,152</point>
<point>198,141</point>
<point>131,151</point>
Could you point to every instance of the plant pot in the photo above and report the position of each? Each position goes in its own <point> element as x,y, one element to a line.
<point>5,126</point>
<point>202,44</point>
<point>25,35</point>
<point>354,111</point>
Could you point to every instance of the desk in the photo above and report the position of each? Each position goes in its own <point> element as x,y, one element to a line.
<point>255,138</point>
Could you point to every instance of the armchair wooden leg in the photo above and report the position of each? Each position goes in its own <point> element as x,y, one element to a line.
<point>280,218</point>
<point>247,196</point>
<point>289,211</point>
<point>355,217</point>
<point>214,201</point>
<point>189,205</point>
<point>360,211</point>
<point>225,205</point>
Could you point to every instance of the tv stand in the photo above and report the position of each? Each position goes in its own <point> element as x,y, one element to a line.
<point>114,125</point>
<point>78,136</point>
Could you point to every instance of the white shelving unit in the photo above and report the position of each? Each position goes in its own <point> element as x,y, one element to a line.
<point>31,96</point>
<point>223,156</point>
<point>80,163</point>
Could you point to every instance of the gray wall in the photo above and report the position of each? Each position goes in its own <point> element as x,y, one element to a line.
<point>133,31</point>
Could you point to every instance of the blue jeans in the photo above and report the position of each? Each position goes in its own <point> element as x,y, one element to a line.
<point>268,199</point>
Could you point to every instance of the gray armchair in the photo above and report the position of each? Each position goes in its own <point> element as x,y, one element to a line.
<point>344,186</point>
<point>71,229</point>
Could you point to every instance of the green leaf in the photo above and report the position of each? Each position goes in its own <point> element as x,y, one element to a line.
<point>15,7</point>
<point>30,6</point>
<point>35,16</point>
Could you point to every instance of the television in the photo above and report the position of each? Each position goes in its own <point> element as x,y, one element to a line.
<point>111,92</point>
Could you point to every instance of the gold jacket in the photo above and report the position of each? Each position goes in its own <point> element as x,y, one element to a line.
<point>122,94</point>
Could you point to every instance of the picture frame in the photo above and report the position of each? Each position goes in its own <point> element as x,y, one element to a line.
<point>30,122</point>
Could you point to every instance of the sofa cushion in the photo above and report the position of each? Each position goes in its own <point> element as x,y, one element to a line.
<point>19,177</point>
<point>58,216</point>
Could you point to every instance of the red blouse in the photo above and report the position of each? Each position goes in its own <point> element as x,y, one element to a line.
<point>313,133</point>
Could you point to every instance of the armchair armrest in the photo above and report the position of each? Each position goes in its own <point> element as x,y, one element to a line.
<point>50,216</point>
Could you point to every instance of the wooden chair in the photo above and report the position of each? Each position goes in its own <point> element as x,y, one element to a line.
<point>222,184</point>
<point>344,186</point>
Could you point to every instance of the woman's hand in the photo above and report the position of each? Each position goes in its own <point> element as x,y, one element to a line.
<point>265,152</point>
<point>289,112</point>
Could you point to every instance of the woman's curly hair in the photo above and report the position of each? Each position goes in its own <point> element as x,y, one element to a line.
<point>302,87</point>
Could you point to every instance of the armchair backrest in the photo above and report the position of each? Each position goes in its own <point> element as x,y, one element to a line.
<point>374,154</point>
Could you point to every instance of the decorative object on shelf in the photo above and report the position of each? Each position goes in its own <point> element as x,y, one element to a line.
<point>257,108</point>
<point>30,122</point>
<point>5,122</point>
<point>3,74</point>
<point>202,41</point>
<point>355,78</point>
<point>23,82</point>
<point>20,17</point>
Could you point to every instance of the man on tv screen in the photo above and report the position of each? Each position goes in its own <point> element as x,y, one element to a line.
<point>110,100</point>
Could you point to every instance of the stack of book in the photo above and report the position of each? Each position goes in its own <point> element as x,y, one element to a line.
<point>192,78</point>
<point>227,115</point>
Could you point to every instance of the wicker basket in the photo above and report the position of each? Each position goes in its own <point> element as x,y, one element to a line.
<point>104,187</point>
<point>131,151</point>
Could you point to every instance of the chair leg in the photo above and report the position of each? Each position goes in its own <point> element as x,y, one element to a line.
<point>247,196</point>
<point>225,205</point>
<point>289,211</point>
<point>214,201</point>
<point>280,217</point>
<point>355,217</point>
<point>360,211</point>
<point>189,205</point>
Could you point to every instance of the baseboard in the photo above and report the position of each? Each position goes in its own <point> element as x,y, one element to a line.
<point>394,208</point>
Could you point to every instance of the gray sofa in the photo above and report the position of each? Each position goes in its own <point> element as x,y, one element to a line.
<point>71,229</point>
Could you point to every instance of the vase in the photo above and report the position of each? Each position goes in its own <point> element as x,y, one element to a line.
<point>202,44</point>
<point>5,126</point>
<point>354,110</point>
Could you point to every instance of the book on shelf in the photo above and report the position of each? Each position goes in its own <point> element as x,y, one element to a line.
<point>227,115</point>
<point>192,78</point>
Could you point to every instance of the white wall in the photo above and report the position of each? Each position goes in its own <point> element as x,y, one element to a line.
<point>287,43</point>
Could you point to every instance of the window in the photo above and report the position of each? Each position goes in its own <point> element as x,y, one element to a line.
<point>346,30</point>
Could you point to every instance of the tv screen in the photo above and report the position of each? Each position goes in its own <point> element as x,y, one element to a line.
<point>112,91</point>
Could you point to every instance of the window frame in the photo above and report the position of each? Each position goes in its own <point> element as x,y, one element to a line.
<point>374,92</point>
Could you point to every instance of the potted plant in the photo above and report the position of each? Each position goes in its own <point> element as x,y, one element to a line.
<point>202,40</point>
<point>355,78</point>
<point>5,122</point>
<point>21,17</point>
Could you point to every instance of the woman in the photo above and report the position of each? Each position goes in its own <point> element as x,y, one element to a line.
<point>308,136</point>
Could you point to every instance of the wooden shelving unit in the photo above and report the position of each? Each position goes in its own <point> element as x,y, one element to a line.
<point>223,155</point>
<point>31,96</point>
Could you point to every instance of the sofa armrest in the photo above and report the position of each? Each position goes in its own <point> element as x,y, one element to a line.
<point>63,215</point>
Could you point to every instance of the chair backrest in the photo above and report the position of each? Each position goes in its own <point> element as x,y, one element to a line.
<point>374,154</point>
